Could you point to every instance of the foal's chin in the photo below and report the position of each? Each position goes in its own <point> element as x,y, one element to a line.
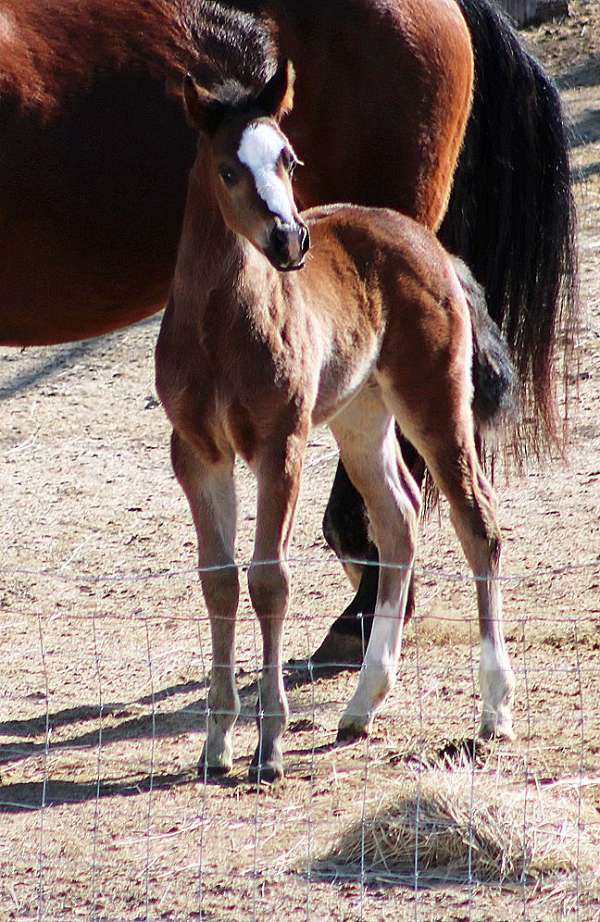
<point>284,267</point>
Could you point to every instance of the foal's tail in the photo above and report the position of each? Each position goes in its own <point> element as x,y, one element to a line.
<point>511,215</point>
<point>494,378</point>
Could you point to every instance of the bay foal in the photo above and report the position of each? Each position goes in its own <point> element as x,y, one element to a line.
<point>376,328</point>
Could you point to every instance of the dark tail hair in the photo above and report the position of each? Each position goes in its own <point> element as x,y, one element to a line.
<point>511,215</point>
<point>493,372</point>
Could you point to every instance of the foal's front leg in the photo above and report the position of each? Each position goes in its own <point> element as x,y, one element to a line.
<point>278,472</point>
<point>210,491</point>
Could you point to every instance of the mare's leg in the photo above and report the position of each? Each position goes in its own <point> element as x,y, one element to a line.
<point>369,450</point>
<point>444,437</point>
<point>210,491</point>
<point>345,527</point>
<point>278,470</point>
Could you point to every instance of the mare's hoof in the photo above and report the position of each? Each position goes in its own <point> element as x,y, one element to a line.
<point>266,773</point>
<point>337,653</point>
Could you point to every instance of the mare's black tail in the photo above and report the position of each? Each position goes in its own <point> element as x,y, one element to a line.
<point>511,215</point>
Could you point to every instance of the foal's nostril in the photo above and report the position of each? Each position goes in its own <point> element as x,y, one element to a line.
<point>280,240</point>
<point>304,239</point>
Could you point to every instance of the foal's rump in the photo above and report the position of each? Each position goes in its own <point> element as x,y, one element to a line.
<point>421,287</point>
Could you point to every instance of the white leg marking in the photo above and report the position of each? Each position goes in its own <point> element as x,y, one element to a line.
<point>497,682</point>
<point>378,674</point>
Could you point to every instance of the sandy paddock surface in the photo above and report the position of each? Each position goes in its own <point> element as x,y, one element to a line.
<point>104,648</point>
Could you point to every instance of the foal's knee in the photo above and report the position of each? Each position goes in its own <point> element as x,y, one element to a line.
<point>269,587</point>
<point>221,588</point>
<point>397,537</point>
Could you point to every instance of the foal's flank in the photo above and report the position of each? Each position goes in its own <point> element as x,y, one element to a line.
<point>380,328</point>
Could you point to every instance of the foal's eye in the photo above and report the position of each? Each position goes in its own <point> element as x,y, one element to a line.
<point>227,175</point>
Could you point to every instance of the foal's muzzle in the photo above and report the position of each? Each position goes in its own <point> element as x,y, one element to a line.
<point>288,245</point>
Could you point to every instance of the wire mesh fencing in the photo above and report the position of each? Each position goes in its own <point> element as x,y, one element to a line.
<point>107,814</point>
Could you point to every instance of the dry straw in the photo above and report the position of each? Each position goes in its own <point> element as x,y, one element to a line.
<point>456,832</point>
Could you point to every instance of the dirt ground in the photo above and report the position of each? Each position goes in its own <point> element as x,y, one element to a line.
<point>104,662</point>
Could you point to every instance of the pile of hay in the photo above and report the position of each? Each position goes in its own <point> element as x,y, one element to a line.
<point>451,827</point>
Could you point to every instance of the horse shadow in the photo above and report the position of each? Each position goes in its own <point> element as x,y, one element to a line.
<point>585,74</point>
<point>586,129</point>
<point>36,794</point>
<point>582,174</point>
<point>62,357</point>
<point>24,796</point>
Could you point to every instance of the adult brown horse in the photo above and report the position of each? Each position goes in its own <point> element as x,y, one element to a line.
<point>92,193</point>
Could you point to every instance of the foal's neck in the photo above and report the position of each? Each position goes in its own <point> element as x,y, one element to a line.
<point>216,258</point>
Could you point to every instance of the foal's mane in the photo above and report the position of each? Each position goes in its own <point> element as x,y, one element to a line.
<point>50,51</point>
<point>233,96</point>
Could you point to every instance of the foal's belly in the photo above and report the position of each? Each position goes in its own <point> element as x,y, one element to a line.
<point>339,385</point>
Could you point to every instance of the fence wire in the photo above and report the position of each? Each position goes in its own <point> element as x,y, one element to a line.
<point>106,813</point>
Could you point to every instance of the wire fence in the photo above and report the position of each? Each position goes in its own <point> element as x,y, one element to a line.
<point>106,814</point>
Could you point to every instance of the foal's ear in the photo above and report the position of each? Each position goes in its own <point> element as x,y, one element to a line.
<point>277,96</point>
<point>203,111</point>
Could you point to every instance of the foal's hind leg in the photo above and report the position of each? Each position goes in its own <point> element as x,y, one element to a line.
<point>458,474</point>
<point>278,470</point>
<point>444,437</point>
<point>210,492</point>
<point>369,450</point>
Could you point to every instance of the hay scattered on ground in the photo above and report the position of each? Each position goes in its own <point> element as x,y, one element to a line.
<point>462,828</point>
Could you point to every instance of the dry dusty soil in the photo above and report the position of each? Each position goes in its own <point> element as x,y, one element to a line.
<point>104,645</point>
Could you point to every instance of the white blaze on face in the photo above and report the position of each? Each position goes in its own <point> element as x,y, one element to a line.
<point>260,148</point>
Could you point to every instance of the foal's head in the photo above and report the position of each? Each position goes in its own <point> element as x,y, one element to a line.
<point>250,164</point>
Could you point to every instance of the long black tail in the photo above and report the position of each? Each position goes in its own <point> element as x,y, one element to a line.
<point>511,215</point>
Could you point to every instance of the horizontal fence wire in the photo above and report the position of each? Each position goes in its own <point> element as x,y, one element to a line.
<point>133,576</point>
<point>160,876</point>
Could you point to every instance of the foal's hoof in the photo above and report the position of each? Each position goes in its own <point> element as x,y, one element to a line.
<point>214,767</point>
<point>352,728</point>
<point>267,766</point>
<point>496,727</point>
<point>266,773</point>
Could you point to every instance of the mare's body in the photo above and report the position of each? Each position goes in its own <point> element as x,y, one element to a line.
<point>374,331</point>
<point>92,194</point>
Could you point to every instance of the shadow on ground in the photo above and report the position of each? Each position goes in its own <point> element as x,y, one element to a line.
<point>34,795</point>
<point>586,129</point>
<point>586,73</point>
<point>62,357</point>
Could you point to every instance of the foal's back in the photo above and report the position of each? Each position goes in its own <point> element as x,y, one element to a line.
<point>383,292</point>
